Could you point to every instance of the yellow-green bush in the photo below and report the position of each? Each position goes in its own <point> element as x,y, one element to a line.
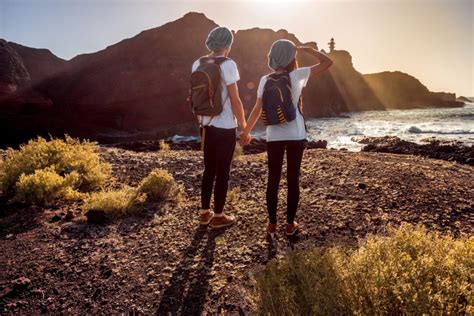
<point>115,202</point>
<point>44,186</point>
<point>304,283</point>
<point>164,146</point>
<point>411,271</point>
<point>159,185</point>
<point>238,151</point>
<point>63,157</point>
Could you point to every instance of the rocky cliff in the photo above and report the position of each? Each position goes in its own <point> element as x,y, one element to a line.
<point>138,87</point>
<point>12,69</point>
<point>41,63</point>
<point>402,91</point>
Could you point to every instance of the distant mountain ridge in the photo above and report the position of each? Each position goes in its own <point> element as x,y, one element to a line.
<point>139,85</point>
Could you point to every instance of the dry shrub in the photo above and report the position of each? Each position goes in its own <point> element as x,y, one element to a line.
<point>303,283</point>
<point>164,146</point>
<point>233,196</point>
<point>238,151</point>
<point>45,186</point>
<point>34,164</point>
<point>159,185</point>
<point>412,271</point>
<point>114,203</point>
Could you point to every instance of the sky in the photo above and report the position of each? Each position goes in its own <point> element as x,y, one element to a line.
<point>429,39</point>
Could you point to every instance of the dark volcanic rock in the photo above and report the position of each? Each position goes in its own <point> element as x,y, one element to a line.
<point>463,99</point>
<point>255,147</point>
<point>12,70</point>
<point>96,216</point>
<point>137,88</point>
<point>39,62</point>
<point>356,93</point>
<point>434,148</point>
<point>402,91</point>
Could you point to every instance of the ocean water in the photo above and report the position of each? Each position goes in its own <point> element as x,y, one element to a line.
<point>413,125</point>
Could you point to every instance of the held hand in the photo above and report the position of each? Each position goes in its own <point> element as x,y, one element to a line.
<point>249,139</point>
<point>245,138</point>
<point>242,139</point>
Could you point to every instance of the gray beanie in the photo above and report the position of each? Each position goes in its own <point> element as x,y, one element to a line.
<point>219,38</point>
<point>281,54</point>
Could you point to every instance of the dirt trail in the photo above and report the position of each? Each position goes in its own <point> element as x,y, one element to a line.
<point>162,262</point>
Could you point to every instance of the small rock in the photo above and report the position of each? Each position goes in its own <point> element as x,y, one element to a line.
<point>55,218</point>
<point>96,216</point>
<point>69,215</point>
<point>362,186</point>
<point>6,292</point>
<point>21,283</point>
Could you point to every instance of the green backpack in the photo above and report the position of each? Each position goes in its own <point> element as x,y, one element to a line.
<point>206,89</point>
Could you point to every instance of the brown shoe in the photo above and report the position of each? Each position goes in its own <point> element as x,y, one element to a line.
<point>291,229</point>
<point>206,218</point>
<point>271,229</point>
<point>222,221</point>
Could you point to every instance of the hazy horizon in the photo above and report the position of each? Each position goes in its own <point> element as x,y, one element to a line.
<point>431,40</point>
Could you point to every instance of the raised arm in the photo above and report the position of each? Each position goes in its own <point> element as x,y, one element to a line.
<point>236,104</point>
<point>324,61</point>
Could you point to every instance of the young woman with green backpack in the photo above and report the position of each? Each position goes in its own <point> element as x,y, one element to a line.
<point>215,101</point>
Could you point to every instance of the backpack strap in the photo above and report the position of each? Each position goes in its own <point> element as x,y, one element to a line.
<point>276,76</point>
<point>300,109</point>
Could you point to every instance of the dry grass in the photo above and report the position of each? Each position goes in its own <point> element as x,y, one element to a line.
<point>115,203</point>
<point>412,271</point>
<point>164,146</point>
<point>159,185</point>
<point>238,152</point>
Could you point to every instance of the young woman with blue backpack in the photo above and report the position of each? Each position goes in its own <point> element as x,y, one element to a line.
<point>279,103</point>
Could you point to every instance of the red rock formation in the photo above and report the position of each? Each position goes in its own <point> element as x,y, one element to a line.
<point>13,72</point>
<point>402,91</point>
<point>41,63</point>
<point>139,85</point>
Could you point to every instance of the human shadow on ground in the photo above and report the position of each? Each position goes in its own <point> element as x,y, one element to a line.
<point>272,247</point>
<point>188,286</point>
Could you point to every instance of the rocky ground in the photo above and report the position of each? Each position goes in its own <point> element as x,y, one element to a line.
<point>433,148</point>
<point>161,262</point>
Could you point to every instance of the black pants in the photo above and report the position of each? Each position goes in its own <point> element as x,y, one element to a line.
<point>219,146</point>
<point>294,154</point>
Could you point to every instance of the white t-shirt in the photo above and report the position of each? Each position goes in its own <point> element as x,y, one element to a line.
<point>294,130</point>
<point>230,75</point>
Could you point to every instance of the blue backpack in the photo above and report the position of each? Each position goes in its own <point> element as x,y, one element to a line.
<point>277,103</point>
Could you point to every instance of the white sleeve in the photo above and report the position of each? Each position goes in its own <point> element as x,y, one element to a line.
<point>195,65</point>
<point>261,86</point>
<point>230,73</point>
<point>301,75</point>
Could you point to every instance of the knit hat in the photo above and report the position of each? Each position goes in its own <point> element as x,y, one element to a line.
<point>281,54</point>
<point>219,38</point>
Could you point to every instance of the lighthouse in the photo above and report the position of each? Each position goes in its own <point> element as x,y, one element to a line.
<point>332,45</point>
